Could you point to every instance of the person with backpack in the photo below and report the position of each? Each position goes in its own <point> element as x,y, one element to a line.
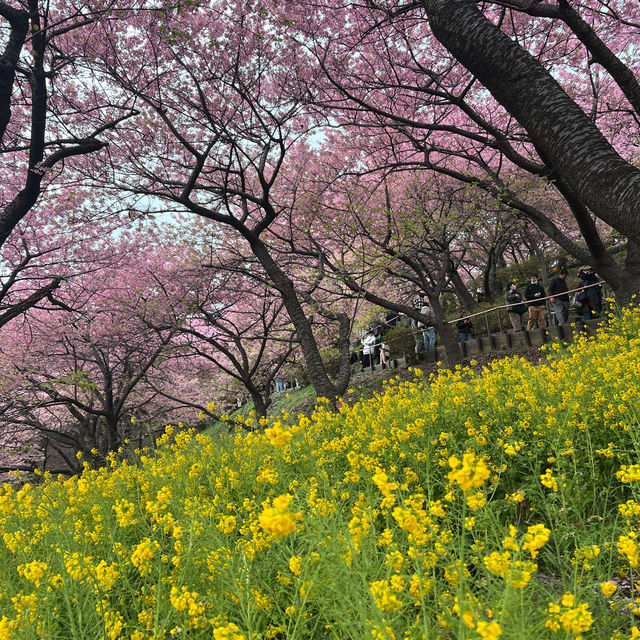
<point>516,307</point>
<point>592,300</point>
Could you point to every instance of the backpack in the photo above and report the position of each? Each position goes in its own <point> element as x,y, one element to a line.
<point>580,298</point>
<point>427,311</point>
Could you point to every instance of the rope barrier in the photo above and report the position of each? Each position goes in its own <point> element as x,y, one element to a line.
<point>527,302</point>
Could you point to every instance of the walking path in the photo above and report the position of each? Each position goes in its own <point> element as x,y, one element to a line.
<point>506,341</point>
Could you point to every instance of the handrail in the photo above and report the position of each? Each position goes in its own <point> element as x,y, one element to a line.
<point>527,302</point>
<point>504,306</point>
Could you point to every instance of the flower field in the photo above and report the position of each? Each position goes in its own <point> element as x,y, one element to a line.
<point>504,504</point>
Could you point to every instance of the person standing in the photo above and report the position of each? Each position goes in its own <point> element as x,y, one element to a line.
<point>516,307</point>
<point>560,298</point>
<point>368,350</point>
<point>464,326</point>
<point>391,319</point>
<point>593,304</point>
<point>384,355</point>
<point>356,352</point>
<point>428,330</point>
<point>417,303</point>
<point>534,293</point>
<point>377,345</point>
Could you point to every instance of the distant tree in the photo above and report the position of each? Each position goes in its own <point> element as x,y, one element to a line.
<point>86,378</point>
<point>387,242</point>
<point>235,323</point>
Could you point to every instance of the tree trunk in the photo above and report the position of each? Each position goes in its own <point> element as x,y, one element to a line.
<point>315,367</point>
<point>544,272</point>
<point>344,351</point>
<point>462,292</point>
<point>565,137</point>
<point>19,21</point>
<point>490,272</point>
<point>260,405</point>
<point>630,277</point>
<point>446,332</point>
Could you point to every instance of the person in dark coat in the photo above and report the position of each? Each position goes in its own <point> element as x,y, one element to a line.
<point>534,293</point>
<point>560,298</point>
<point>464,326</point>
<point>593,303</point>
<point>516,307</point>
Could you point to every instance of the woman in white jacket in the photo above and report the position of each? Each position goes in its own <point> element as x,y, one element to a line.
<point>368,348</point>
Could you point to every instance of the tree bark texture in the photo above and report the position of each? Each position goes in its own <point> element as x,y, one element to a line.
<point>446,333</point>
<point>561,132</point>
<point>19,27</point>
<point>315,367</point>
<point>259,403</point>
<point>462,291</point>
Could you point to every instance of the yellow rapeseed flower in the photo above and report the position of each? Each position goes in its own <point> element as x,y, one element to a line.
<point>535,538</point>
<point>228,632</point>
<point>470,473</point>
<point>277,520</point>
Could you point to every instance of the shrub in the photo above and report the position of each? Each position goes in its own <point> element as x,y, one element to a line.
<point>331,360</point>
<point>400,341</point>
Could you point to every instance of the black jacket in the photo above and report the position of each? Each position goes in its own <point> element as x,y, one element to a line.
<point>557,289</point>
<point>464,325</point>
<point>594,294</point>
<point>532,293</point>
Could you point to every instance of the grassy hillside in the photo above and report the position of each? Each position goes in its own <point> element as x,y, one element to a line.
<point>492,504</point>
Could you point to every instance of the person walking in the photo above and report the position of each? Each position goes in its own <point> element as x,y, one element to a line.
<point>516,307</point>
<point>534,293</point>
<point>560,298</point>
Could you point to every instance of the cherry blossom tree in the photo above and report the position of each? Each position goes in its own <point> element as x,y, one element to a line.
<point>502,96</point>
<point>393,240</point>
<point>45,250</point>
<point>44,122</point>
<point>215,129</point>
<point>234,322</point>
<point>90,376</point>
<point>331,313</point>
